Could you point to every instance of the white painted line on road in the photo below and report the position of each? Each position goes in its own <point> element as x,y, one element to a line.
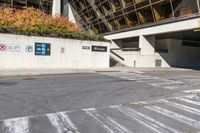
<point>182,107</point>
<point>140,72</point>
<point>189,101</point>
<point>102,124</point>
<point>57,123</point>
<point>122,128</point>
<point>138,119</point>
<point>65,118</point>
<point>173,115</point>
<point>16,125</point>
<point>167,83</point>
<point>192,91</point>
<point>160,126</point>
<point>151,120</point>
<point>108,121</point>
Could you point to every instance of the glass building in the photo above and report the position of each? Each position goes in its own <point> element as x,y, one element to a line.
<point>108,16</point>
<point>44,5</point>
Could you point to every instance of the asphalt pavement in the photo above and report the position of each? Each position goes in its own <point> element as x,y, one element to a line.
<point>162,101</point>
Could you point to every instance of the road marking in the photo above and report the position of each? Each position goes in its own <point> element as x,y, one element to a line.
<point>156,124</point>
<point>107,122</point>
<point>152,120</point>
<point>133,116</point>
<point>122,128</point>
<point>167,83</point>
<point>189,101</point>
<point>192,91</point>
<point>65,118</point>
<point>16,125</point>
<point>99,121</point>
<point>173,115</point>
<point>57,123</point>
<point>182,107</point>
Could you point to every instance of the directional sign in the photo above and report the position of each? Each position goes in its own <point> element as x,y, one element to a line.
<point>2,47</point>
<point>43,49</point>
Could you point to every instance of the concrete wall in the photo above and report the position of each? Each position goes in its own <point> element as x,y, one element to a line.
<point>180,55</point>
<point>72,57</point>
<point>177,56</point>
<point>158,29</point>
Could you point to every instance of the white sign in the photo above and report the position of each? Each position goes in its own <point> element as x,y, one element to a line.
<point>13,48</point>
<point>2,47</point>
<point>29,48</point>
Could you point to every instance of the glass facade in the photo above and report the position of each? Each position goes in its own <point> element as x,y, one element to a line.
<point>105,16</point>
<point>44,5</point>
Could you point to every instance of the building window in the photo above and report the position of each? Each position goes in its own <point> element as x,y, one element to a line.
<point>162,10</point>
<point>184,7</point>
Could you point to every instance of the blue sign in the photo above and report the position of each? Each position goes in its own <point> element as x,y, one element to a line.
<point>43,49</point>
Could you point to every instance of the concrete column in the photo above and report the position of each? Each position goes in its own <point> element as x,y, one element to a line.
<point>56,9</point>
<point>67,10</point>
<point>147,44</point>
<point>70,14</point>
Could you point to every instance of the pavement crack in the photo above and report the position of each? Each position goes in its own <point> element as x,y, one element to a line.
<point>64,123</point>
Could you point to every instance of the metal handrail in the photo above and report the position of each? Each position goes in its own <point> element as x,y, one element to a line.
<point>127,49</point>
<point>116,54</point>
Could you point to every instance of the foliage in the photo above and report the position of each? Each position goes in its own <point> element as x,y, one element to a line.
<point>34,22</point>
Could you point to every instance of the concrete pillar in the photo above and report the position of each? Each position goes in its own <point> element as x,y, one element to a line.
<point>147,44</point>
<point>56,9</point>
<point>70,14</point>
<point>67,10</point>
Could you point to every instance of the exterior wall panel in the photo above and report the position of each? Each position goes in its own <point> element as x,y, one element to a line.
<point>107,16</point>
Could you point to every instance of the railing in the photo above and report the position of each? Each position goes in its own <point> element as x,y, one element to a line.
<point>117,55</point>
<point>112,50</point>
<point>127,49</point>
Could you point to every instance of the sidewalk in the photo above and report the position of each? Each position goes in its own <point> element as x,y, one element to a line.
<point>45,71</point>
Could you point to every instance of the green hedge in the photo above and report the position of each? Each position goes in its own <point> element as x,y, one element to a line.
<point>33,22</point>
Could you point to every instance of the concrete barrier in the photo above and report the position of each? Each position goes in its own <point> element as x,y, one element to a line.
<point>19,51</point>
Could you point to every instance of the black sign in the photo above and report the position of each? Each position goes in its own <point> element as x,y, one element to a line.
<point>99,48</point>
<point>43,49</point>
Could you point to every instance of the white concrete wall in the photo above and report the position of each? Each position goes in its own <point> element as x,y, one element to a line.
<point>74,56</point>
<point>178,55</point>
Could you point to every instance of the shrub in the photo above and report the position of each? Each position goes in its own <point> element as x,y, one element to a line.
<point>30,21</point>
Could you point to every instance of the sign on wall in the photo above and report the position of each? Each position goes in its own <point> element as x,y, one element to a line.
<point>13,48</point>
<point>62,50</point>
<point>86,47</point>
<point>29,48</point>
<point>99,48</point>
<point>2,47</point>
<point>43,49</point>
